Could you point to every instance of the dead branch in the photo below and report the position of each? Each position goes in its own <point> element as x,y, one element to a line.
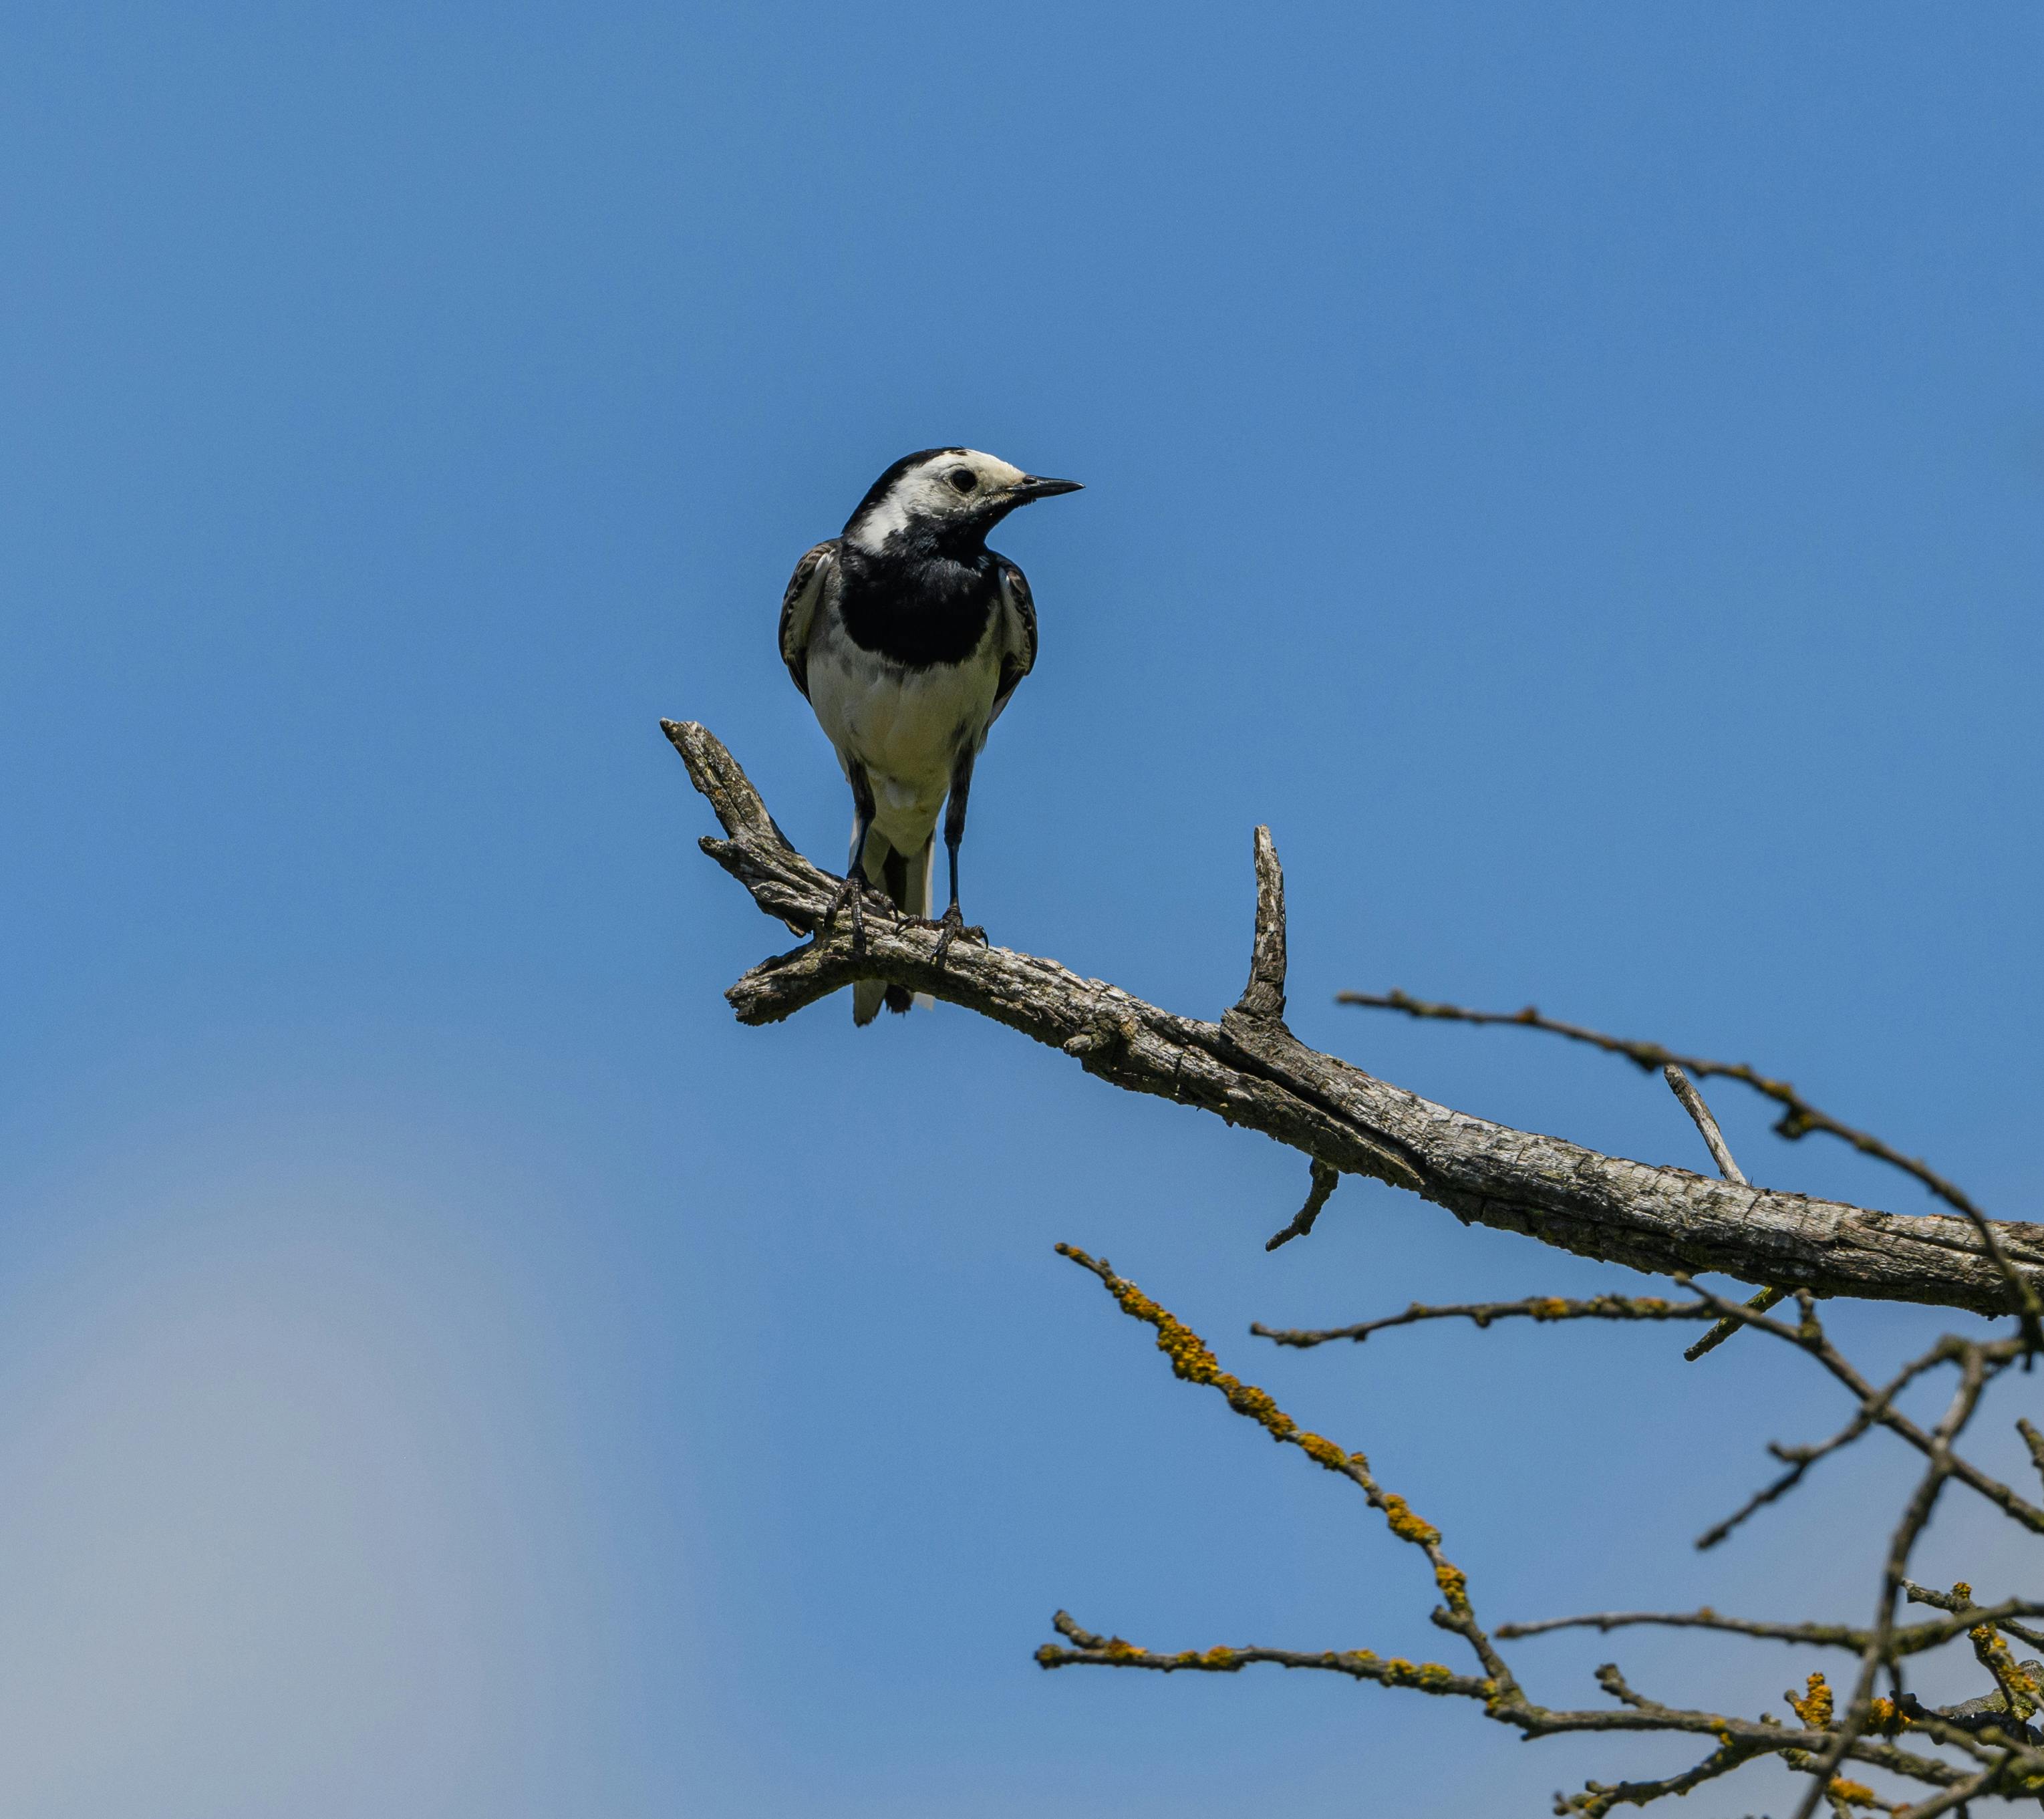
<point>1909,1638</point>
<point>1541,1307</point>
<point>1876,1404</point>
<point>1248,1069</point>
<point>1817,1748</point>
<point>1959,1601</point>
<point>1324,1180</point>
<point>1798,1119</point>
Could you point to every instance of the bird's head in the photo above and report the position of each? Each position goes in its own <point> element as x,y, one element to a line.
<point>945,497</point>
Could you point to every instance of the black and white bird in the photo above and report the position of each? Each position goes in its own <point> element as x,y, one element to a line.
<point>908,634</point>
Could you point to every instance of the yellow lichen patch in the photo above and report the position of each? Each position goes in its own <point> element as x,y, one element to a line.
<point>1213,1661</point>
<point>1407,1526</point>
<point>2017,1687</point>
<point>1260,1405</point>
<point>1815,1707</point>
<point>1115,1649</point>
<point>1963,1592</point>
<point>1548,1307</point>
<point>1454,1587</point>
<point>1193,1361</point>
<point>1323,1452</point>
<point>1851,1793</point>
<point>1883,1717</point>
<point>1427,1676</point>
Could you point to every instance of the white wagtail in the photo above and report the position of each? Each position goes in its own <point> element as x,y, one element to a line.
<point>908,635</point>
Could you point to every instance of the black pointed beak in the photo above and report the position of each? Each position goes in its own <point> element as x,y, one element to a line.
<point>1034,487</point>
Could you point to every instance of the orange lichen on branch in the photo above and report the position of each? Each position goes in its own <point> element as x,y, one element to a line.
<point>1193,1359</point>
<point>1454,1587</point>
<point>1359,1663</point>
<point>2017,1688</point>
<point>1407,1526</point>
<point>1217,1660</point>
<point>1323,1452</point>
<point>1815,1707</point>
<point>1884,1718</point>
<point>1428,1676</point>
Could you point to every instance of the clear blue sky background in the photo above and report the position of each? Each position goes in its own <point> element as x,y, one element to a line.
<point>1577,472</point>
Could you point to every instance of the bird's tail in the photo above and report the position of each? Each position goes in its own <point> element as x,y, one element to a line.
<point>906,883</point>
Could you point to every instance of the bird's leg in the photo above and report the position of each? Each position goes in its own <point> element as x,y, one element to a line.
<point>953,921</point>
<point>853,889</point>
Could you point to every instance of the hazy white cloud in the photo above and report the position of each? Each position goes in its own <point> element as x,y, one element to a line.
<point>278,1534</point>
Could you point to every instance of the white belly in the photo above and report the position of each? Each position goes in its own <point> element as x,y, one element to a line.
<point>905,727</point>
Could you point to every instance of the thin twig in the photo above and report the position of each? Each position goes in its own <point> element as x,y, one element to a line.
<point>1807,1337</point>
<point>1684,1090</point>
<point>1540,1307</point>
<point>1323,1182</point>
<point>1973,1380</point>
<point>2034,1440</point>
<point>1907,1639</point>
<point>1799,1459</point>
<point>1970,1614</point>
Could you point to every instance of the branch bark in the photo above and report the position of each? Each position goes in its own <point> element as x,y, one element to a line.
<point>1249,1069</point>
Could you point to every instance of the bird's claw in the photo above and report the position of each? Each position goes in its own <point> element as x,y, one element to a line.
<point>852,891</point>
<point>953,926</point>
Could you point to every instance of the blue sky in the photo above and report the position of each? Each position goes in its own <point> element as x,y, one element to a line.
<point>1575,471</point>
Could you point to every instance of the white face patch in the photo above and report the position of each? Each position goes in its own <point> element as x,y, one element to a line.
<point>927,495</point>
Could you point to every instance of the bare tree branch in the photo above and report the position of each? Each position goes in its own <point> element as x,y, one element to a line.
<point>1973,1380</point>
<point>1541,1307</point>
<point>1798,1119</point>
<point>1817,1749</point>
<point>1960,1600</point>
<point>1911,1639</point>
<point>1799,1116</point>
<point>1876,1404</point>
<point>1249,1070</point>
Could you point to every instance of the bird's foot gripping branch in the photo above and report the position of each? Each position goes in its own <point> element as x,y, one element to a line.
<point>1248,1068</point>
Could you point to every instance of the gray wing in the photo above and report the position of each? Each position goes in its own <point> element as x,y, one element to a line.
<point>798,610</point>
<point>1018,628</point>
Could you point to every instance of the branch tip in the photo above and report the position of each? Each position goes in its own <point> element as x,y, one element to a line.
<point>1263,998</point>
<point>1324,1182</point>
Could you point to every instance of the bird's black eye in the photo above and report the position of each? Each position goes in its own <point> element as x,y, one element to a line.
<point>964,480</point>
